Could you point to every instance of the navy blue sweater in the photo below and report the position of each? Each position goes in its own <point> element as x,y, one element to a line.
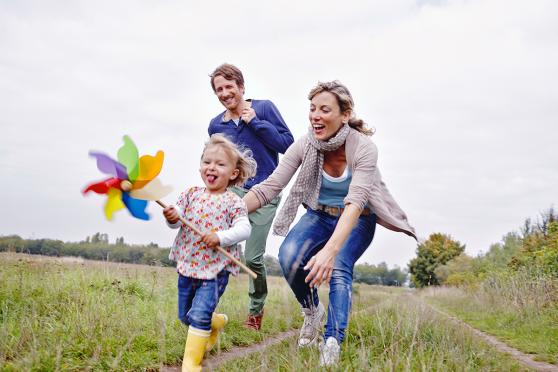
<point>266,135</point>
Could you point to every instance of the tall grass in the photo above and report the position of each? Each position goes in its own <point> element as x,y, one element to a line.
<point>521,309</point>
<point>523,291</point>
<point>398,334</point>
<point>59,315</point>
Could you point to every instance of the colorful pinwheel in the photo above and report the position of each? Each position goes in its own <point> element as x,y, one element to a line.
<point>133,180</point>
<point>133,183</point>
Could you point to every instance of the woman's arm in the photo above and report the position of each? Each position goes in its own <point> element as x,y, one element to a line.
<point>264,192</point>
<point>321,265</point>
<point>252,202</point>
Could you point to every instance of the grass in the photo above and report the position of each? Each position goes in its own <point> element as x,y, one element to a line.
<point>70,315</point>
<point>530,328</point>
<point>398,334</point>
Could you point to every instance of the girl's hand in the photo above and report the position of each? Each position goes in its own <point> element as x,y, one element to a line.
<point>171,214</point>
<point>321,267</point>
<point>210,239</point>
<point>248,114</point>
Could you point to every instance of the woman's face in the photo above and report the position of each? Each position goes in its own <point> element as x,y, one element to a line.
<point>325,116</point>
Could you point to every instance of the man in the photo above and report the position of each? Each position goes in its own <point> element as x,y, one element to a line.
<point>257,125</point>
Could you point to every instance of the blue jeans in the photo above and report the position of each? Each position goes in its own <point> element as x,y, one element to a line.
<point>306,239</point>
<point>198,298</point>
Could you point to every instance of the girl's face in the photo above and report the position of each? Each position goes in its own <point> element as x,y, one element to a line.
<point>217,169</point>
<point>325,115</point>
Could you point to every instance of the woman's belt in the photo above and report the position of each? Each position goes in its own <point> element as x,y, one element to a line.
<point>336,211</point>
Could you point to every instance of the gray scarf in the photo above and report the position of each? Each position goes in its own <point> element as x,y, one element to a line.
<point>306,188</point>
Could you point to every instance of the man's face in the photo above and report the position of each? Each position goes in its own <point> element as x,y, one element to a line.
<point>228,92</point>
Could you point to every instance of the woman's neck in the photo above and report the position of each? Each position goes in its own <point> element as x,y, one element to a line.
<point>335,162</point>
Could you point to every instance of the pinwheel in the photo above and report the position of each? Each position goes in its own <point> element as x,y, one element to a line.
<point>133,181</point>
<point>132,184</point>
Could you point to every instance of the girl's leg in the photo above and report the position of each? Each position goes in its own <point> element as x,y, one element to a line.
<point>304,240</point>
<point>186,291</point>
<point>205,300</point>
<point>340,286</point>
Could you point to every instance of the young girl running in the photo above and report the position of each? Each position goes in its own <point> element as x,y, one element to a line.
<point>203,272</point>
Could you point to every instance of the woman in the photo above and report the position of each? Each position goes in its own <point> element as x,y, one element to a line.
<point>341,188</point>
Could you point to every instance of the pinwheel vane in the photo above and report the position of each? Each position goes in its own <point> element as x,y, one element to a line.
<point>133,181</point>
<point>132,184</point>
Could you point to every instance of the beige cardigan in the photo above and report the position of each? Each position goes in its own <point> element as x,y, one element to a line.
<point>366,185</point>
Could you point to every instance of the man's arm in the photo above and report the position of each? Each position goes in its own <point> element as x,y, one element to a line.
<point>271,129</point>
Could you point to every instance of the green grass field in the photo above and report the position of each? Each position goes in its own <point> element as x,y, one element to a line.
<point>71,315</point>
<point>530,328</point>
<point>64,314</point>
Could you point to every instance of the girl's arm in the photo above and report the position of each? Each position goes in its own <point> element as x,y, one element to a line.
<point>171,214</point>
<point>239,231</point>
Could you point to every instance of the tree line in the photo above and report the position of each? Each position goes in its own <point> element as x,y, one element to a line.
<point>97,247</point>
<point>532,249</point>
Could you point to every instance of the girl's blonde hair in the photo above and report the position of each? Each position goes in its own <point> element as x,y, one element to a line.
<point>345,101</point>
<point>241,157</point>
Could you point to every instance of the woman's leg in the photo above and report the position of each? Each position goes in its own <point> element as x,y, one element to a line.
<point>340,285</point>
<point>302,242</point>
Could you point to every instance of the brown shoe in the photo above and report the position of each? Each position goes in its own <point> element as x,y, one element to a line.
<point>254,321</point>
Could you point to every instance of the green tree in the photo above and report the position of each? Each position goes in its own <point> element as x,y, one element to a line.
<point>435,251</point>
<point>539,251</point>
<point>379,274</point>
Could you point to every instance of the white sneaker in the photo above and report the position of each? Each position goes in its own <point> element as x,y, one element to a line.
<point>310,330</point>
<point>329,352</point>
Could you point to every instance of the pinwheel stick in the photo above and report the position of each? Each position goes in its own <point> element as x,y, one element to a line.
<point>219,248</point>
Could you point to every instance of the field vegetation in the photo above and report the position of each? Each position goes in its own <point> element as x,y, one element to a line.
<point>510,292</point>
<point>71,314</point>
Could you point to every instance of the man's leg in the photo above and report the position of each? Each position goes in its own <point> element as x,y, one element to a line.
<point>254,252</point>
<point>261,221</point>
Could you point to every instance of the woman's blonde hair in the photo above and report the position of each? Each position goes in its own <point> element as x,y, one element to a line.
<point>242,157</point>
<point>345,101</point>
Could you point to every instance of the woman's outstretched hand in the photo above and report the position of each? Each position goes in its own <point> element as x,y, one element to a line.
<point>321,267</point>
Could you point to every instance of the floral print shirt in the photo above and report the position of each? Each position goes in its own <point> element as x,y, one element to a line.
<point>207,212</point>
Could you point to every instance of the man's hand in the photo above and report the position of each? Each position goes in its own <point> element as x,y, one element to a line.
<point>248,114</point>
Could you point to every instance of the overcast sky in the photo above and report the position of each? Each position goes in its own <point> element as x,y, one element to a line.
<point>463,96</point>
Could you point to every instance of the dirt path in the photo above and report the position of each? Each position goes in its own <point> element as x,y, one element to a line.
<point>212,362</point>
<point>521,357</point>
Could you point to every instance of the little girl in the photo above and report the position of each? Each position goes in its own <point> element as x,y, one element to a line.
<point>203,272</point>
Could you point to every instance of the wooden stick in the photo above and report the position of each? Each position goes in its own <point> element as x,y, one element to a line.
<point>220,249</point>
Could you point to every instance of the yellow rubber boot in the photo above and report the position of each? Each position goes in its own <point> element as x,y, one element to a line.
<point>218,322</point>
<point>194,350</point>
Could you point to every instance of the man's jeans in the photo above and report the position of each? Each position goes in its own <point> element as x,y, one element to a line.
<point>306,239</point>
<point>198,298</point>
<point>254,250</point>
